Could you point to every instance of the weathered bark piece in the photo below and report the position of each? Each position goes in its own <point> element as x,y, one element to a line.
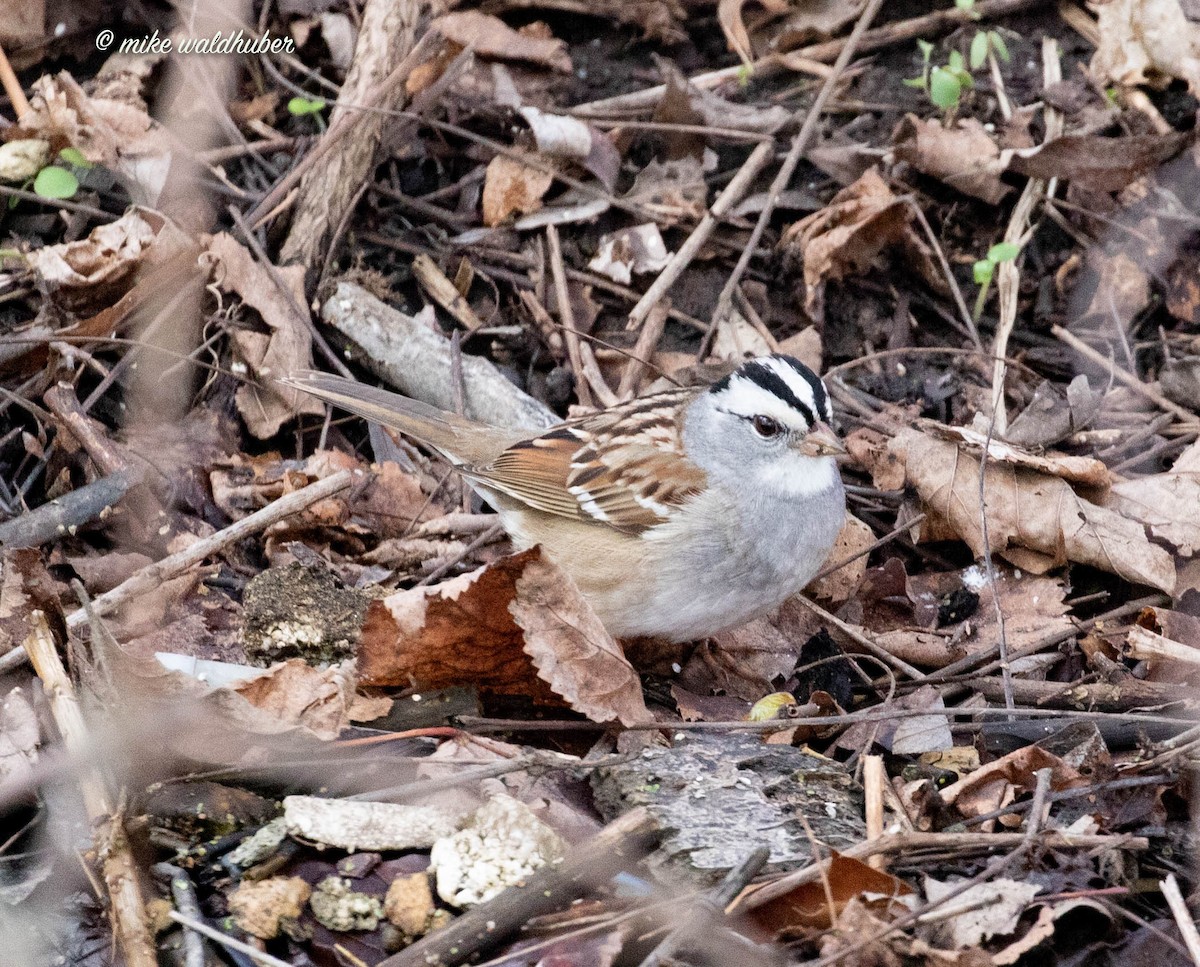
<point>718,796</point>
<point>417,361</point>
<point>385,38</point>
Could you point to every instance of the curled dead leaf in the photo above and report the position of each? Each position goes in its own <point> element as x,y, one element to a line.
<point>491,37</point>
<point>846,236</point>
<point>964,156</point>
<point>510,187</point>
<point>1029,511</point>
<point>516,627</point>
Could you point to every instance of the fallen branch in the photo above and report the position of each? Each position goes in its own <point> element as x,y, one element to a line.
<point>154,574</point>
<point>117,865</point>
<point>621,843</point>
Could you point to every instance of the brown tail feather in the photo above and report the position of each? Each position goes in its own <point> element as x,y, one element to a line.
<point>463,441</point>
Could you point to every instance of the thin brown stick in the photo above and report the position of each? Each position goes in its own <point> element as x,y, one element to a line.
<point>12,86</point>
<point>154,574</point>
<point>733,193</point>
<point>117,865</point>
<point>887,538</point>
<point>926,26</point>
<point>341,129</point>
<point>874,779</point>
<point>1120,375</point>
<point>624,841</point>
<point>585,387</point>
<point>800,144</point>
<point>860,639</point>
<point>1183,917</point>
<point>643,349</point>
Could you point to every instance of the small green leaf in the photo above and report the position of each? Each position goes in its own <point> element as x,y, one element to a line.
<point>73,156</point>
<point>926,49</point>
<point>55,182</point>
<point>944,88</point>
<point>300,106</point>
<point>915,82</point>
<point>979,50</point>
<point>1003,252</point>
<point>967,5</point>
<point>999,46</point>
<point>955,62</point>
<point>982,270</point>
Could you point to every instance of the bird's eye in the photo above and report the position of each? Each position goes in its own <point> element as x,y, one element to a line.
<point>765,427</point>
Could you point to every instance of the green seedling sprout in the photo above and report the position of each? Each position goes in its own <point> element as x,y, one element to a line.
<point>54,182</point>
<point>946,84</point>
<point>300,106</point>
<point>984,44</point>
<point>985,270</point>
<point>926,49</point>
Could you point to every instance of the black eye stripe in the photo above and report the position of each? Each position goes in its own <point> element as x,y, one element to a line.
<point>763,376</point>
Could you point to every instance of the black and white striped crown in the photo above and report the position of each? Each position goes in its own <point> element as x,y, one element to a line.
<point>777,386</point>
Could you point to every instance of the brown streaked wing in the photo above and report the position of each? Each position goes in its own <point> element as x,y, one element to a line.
<point>624,467</point>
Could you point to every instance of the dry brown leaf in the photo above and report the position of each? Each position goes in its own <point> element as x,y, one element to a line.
<point>1033,608</point>
<point>571,649</point>
<point>988,910</point>
<point>266,406</point>
<point>671,191</point>
<point>963,156</point>
<point>996,784</point>
<point>490,36</point>
<point>101,128</point>
<point>1167,503</point>
<point>1146,41</point>
<point>1029,511</point>
<point>113,131</point>
<point>729,15</point>
<point>745,661</point>
<point>1122,289</point>
<point>96,271</point>
<point>737,340</point>
<point>847,235</point>
<point>839,585</point>
<point>814,20</point>
<point>808,904</point>
<point>515,627</point>
<point>1095,162</point>
<point>510,187</point>
<point>297,694</point>
<point>1087,471</point>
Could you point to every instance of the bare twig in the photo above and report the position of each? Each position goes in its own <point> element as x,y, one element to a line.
<point>701,916</point>
<point>1008,275</point>
<point>154,574</point>
<point>258,956</point>
<point>623,841</point>
<point>1120,375</point>
<point>12,86</point>
<point>800,144</point>
<point>732,194</point>
<point>112,846</point>
<point>860,639</point>
<point>874,779</point>
<point>1183,917</point>
<point>587,381</point>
